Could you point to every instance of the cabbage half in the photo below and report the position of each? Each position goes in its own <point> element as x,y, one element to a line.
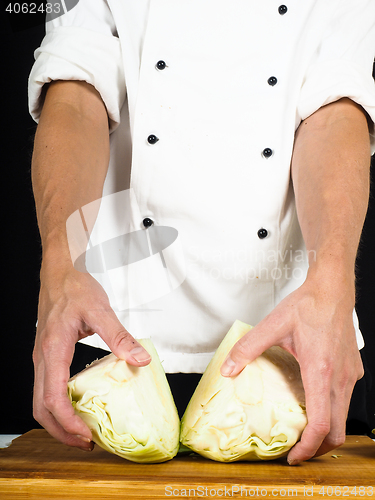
<point>257,415</point>
<point>130,410</point>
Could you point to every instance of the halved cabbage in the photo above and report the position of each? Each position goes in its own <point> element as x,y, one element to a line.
<point>257,415</point>
<point>130,410</point>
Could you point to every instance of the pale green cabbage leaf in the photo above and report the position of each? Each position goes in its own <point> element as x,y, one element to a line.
<point>130,410</point>
<point>257,415</point>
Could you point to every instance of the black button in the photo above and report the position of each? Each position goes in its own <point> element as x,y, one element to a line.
<point>161,65</point>
<point>262,233</point>
<point>267,152</point>
<point>147,222</point>
<point>152,139</point>
<point>272,80</point>
<point>283,9</point>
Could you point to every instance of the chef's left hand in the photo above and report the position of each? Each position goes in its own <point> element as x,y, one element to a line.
<point>314,324</point>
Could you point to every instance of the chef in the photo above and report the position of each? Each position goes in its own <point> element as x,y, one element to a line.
<point>196,163</point>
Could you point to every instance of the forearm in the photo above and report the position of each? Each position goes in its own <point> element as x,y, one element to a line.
<point>330,172</point>
<point>68,170</point>
<point>70,158</point>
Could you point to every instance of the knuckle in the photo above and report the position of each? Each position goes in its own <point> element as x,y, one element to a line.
<point>345,381</point>
<point>336,441</point>
<point>348,377</point>
<point>50,402</point>
<point>326,368</point>
<point>320,429</point>
<point>241,348</point>
<point>122,338</point>
<point>38,415</point>
<point>360,373</point>
<point>35,356</point>
<point>48,343</point>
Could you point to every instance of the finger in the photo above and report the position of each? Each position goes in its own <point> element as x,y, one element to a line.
<point>58,350</point>
<point>248,348</point>
<point>340,401</point>
<point>335,389</point>
<point>55,430</point>
<point>318,409</point>
<point>46,419</point>
<point>119,340</point>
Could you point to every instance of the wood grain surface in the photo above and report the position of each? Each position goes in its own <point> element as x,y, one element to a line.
<point>36,466</point>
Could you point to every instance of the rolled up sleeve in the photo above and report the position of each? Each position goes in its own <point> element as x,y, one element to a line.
<point>343,62</point>
<point>81,45</point>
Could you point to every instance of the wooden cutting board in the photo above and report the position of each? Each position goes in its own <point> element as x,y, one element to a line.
<point>36,466</point>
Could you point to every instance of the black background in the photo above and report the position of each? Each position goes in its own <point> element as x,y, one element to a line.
<point>20,36</point>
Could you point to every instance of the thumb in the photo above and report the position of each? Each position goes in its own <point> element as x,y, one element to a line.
<point>121,343</point>
<point>247,349</point>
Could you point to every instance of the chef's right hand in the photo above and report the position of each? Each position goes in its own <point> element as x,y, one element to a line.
<point>72,305</point>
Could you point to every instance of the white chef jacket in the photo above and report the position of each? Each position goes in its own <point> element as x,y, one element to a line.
<point>203,99</point>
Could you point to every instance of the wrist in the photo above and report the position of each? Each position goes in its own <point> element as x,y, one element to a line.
<point>333,279</point>
<point>56,256</point>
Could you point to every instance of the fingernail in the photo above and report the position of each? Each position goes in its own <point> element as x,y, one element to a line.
<point>86,449</point>
<point>293,462</point>
<point>140,354</point>
<point>228,367</point>
<point>83,438</point>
